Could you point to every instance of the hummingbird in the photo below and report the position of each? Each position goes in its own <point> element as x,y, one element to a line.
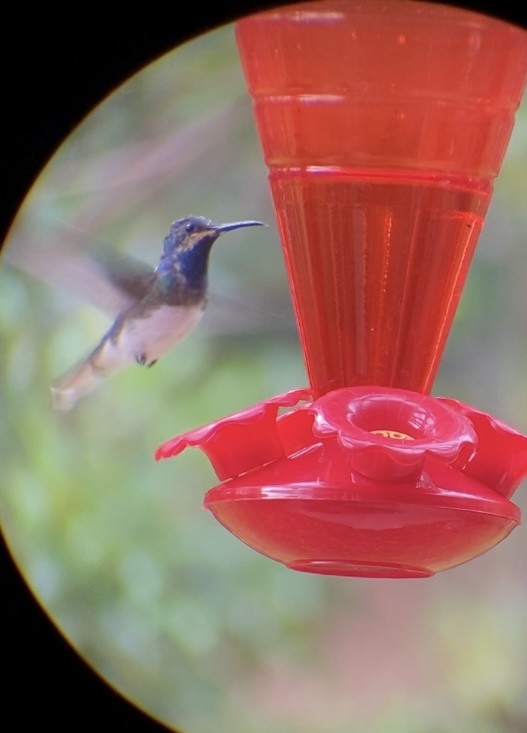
<point>159,306</point>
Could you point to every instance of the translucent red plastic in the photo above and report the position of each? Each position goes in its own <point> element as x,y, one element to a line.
<point>383,125</point>
<point>364,481</point>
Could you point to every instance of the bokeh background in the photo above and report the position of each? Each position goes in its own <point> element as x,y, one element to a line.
<point>181,618</point>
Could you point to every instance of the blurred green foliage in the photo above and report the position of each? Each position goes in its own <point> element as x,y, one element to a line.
<point>170,609</point>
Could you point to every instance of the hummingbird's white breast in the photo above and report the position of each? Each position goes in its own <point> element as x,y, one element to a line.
<point>139,340</point>
<point>153,336</point>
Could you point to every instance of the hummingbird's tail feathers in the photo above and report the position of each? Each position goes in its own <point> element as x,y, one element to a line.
<point>85,376</point>
<point>76,383</point>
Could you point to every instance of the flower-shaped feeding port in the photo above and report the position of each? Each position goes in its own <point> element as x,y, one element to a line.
<point>373,482</point>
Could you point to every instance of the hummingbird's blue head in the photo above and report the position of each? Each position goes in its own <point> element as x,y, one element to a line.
<point>187,246</point>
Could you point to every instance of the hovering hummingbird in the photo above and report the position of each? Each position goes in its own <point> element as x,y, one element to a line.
<point>159,306</point>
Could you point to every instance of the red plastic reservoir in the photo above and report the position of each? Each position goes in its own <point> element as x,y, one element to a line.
<point>383,125</point>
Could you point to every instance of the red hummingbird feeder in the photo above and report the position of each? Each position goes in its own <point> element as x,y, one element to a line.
<point>383,126</point>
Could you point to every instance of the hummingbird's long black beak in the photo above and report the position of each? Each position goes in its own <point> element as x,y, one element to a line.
<point>238,225</point>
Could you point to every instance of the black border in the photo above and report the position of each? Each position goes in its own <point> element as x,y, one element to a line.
<point>56,68</point>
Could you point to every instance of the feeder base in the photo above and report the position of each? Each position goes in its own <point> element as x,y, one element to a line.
<point>359,569</point>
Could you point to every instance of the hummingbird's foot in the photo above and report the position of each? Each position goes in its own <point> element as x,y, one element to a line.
<point>142,359</point>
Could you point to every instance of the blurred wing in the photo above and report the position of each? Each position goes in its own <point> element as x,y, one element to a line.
<point>130,277</point>
<point>109,282</point>
<point>249,314</point>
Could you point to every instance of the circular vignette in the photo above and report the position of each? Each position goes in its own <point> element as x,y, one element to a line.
<point>57,72</point>
<point>37,123</point>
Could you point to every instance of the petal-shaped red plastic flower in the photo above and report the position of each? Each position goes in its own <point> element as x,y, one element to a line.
<point>368,481</point>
